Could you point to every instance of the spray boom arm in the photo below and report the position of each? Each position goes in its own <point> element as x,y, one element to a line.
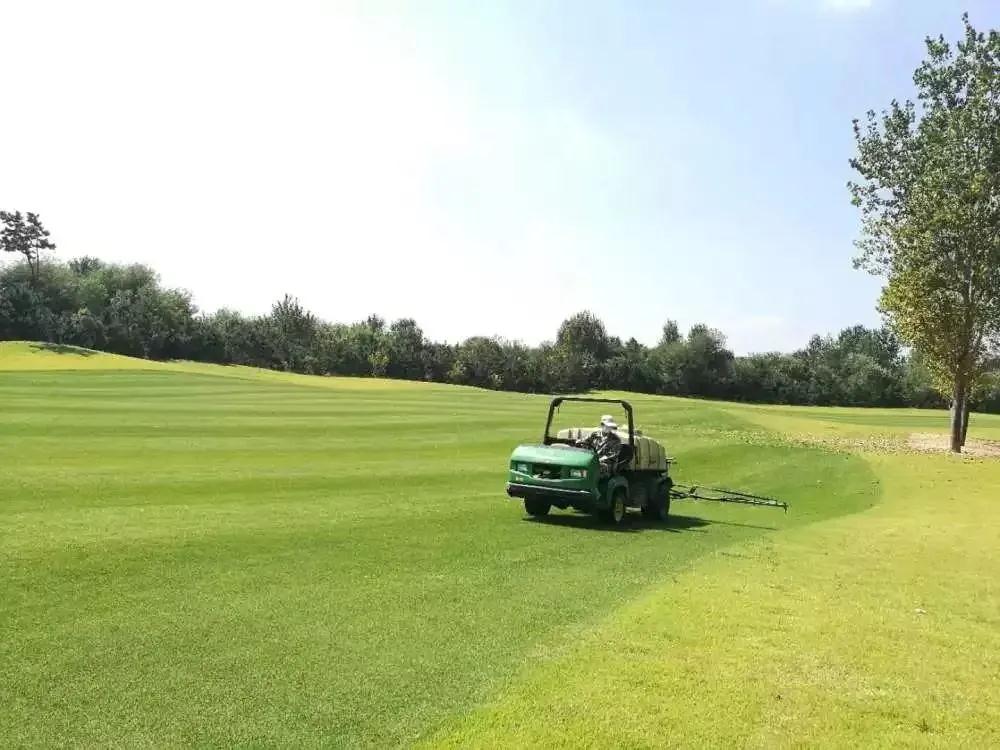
<point>718,495</point>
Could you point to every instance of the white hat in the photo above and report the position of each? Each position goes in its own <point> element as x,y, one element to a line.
<point>608,421</point>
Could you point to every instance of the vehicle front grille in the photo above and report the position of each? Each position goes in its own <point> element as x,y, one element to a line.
<point>546,471</point>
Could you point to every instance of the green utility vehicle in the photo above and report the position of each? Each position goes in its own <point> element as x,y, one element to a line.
<point>560,473</point>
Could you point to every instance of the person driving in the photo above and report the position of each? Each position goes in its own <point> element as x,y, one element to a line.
<point>605,442</point>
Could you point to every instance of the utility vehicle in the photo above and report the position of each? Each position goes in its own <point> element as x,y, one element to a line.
<point>559,473</point>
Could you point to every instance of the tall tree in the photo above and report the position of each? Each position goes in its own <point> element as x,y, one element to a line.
<point>479,361</point>
<point>708,364</point>
<point>671,333</point>
<point>293,329</point>
<point>929,196</point>
<point>24,234</point>
<point>405,342</point>
<point>583,333</point>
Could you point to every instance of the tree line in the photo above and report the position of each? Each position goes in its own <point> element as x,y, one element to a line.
<point>126,310</point>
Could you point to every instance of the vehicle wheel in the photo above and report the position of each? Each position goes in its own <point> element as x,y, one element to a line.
<point>659,507</point>
<point>663,507</point>
<point>536,507</point>
<point>616,513</point>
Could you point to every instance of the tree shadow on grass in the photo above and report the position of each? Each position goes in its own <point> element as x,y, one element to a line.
<point>634,523</point>
<point>63,349</point>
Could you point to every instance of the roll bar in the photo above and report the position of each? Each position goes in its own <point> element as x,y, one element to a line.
<point>546,440</point>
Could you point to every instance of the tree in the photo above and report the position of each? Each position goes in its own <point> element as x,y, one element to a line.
<point>293,329</point>
<point>629,368</point>
<point>917,384</point>
<point>25,234</point>
<point>929,196</point>
<point>405,342</point>
<point>85,265</point>
<point>667,361</point>
<point>437,360</point>
<point>880,344</point>
<point>582,334</point>
<point>479,361</point>
<point>708,364</point>
<point>671,333</point>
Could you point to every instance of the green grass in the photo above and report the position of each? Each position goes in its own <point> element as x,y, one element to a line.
<point>221,556</point>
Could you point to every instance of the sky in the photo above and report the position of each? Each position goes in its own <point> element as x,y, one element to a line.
<point>486,168</point>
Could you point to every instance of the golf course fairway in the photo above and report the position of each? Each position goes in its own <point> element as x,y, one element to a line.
<point>221,556</point>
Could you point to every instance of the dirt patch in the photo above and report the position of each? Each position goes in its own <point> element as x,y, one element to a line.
<point>930,442</point>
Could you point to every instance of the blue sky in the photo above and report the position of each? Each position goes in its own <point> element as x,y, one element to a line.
<point>486,168</point>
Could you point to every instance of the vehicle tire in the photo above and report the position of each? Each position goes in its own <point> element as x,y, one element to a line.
<point>663,507</point>
<point>658,509</point>
<point>615,515</point>
<point>535,507</point>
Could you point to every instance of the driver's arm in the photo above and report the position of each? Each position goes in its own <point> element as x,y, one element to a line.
<point>614,448</point>
<point>611,448</point>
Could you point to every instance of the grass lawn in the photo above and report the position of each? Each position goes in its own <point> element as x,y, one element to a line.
<point>193,554</point>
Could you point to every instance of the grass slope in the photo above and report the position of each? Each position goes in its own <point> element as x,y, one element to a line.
<point>219,556</point>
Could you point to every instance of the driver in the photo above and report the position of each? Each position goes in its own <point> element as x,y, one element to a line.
<point>605,443</point>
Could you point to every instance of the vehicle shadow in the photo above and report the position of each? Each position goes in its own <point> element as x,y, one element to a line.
<point>746,525</point>
<point>634,523</point>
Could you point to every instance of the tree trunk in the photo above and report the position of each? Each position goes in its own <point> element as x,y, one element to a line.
<point>965,421</point>
<point>958,408</point>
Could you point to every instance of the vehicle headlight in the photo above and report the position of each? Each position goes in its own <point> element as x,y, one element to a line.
<point>578,473</point>
<point>523,468</point>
